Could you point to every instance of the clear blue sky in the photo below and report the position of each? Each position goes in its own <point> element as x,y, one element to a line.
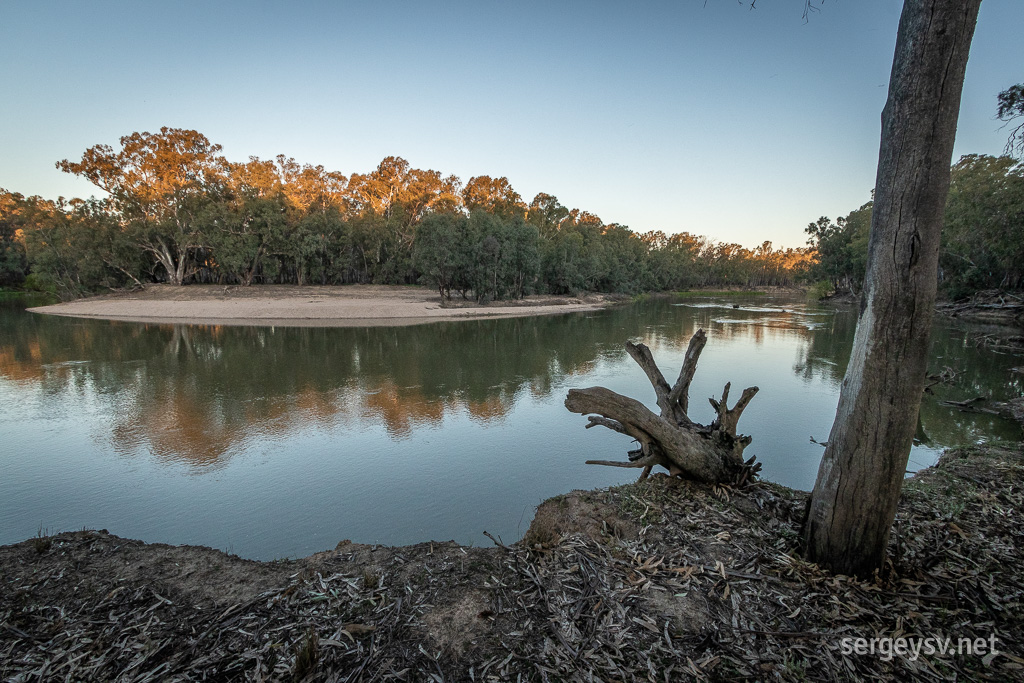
<point>711,118</point>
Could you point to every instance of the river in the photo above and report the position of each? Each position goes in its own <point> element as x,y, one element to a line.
<point>273,442</point>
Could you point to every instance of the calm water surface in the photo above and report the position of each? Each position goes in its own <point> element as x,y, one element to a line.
<point>277,442</point>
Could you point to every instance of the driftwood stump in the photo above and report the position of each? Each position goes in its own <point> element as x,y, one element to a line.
<point>709,453</point>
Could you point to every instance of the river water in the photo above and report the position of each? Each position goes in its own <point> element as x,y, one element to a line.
<point>274,442</point>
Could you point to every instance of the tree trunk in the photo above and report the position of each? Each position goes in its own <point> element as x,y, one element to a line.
<point>711,453</point>
<point>182,272</point>
<point>164,258</point>
<point>854,500</point>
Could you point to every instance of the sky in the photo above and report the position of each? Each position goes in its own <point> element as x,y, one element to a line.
<point>706,117</point>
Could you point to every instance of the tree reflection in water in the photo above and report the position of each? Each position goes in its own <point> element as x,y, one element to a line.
<point>479,403</point>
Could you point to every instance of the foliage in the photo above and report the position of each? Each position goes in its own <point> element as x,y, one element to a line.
<point>443,252</point>
<point>493,195</point>
<point>1010,108</point>
<point>71,247</point>
<point>13,219</point>
<point>820,290</point>
<point>179,212</point>
<point>158,184</point>
<point>841,249</point>
<point>982,238</point>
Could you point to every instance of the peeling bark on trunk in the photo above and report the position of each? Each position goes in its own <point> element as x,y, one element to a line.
<point>712,453</point>
<point>854,500</point>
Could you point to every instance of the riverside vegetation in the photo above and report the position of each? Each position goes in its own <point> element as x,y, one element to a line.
<point>982,235</point>
<point>176,211</point>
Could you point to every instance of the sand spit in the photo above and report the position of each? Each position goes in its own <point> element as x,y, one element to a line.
<point>289,305</point>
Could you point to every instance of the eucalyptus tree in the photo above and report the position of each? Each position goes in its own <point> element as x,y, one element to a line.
<point>243,221</point>
<point>522,257</point>
<point>14,210</point>
<point>841,249</point>
<point>77,247</point>
<point>546,213</point>
<point>624,255</point>
<point>831,243</point>
<point>671,260</point>
<point>159,183</point>
<point>312,189</point>
<point>983,239</point>
<point>853,504</point>
<point>493,195</point>
<point>561,263</point>
<point>391,200</point>
<point>443,252</point>
<point>592,260</point>
<point>318,247</point>
<point>490,255</point>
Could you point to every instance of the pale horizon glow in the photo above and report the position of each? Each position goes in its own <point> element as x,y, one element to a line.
<point>741,125</point>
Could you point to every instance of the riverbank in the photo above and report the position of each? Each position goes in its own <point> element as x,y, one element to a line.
<point>290,305</point>
<point>1002,314</point>
<point>989,307</point>
<point>660,580</point>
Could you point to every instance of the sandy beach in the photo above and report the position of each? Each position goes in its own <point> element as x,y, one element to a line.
<point>288,305</point>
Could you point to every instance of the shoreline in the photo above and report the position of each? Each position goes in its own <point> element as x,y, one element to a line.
<point>306,306</point>
<point>606,583</point>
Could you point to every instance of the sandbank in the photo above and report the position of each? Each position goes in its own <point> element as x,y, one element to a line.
<point>305,306</point>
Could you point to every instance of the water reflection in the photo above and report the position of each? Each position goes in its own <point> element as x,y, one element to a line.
<point>977,372</point>
<point>472,410</point>
<point>192,392</point>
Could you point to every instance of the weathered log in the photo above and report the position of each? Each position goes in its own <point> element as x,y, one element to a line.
<point>712,453</point>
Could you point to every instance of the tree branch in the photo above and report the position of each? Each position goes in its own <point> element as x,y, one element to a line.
<point>728,419</point>
<point>643,357</point>
<point>680,394</point>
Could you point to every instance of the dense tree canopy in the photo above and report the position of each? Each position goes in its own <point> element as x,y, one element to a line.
<point>493,195</point>
<point>177,211</point>
<point>158,184</point>
<point>982,240</point>
<point>841,249</point>
<point>14,216</point>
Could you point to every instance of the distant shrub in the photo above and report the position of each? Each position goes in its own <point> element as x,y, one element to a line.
<point>34,282</point>
<point>819,290</point>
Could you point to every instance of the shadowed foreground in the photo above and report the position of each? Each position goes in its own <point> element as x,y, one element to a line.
<point>660,580</point>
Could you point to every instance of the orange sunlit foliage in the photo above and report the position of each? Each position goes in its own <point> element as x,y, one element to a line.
<point>179,212</point>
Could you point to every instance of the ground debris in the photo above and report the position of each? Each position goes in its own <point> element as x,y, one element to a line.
<point>661,580</point>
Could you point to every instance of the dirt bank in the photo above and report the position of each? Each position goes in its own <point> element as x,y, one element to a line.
<point>347,306</point>
<point>661,581</point>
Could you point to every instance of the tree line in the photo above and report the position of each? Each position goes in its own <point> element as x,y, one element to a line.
<point>982,242</point>
<point>176,211</point>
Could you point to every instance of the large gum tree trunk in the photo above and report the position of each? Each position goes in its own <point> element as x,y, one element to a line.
<point>854,500</point>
